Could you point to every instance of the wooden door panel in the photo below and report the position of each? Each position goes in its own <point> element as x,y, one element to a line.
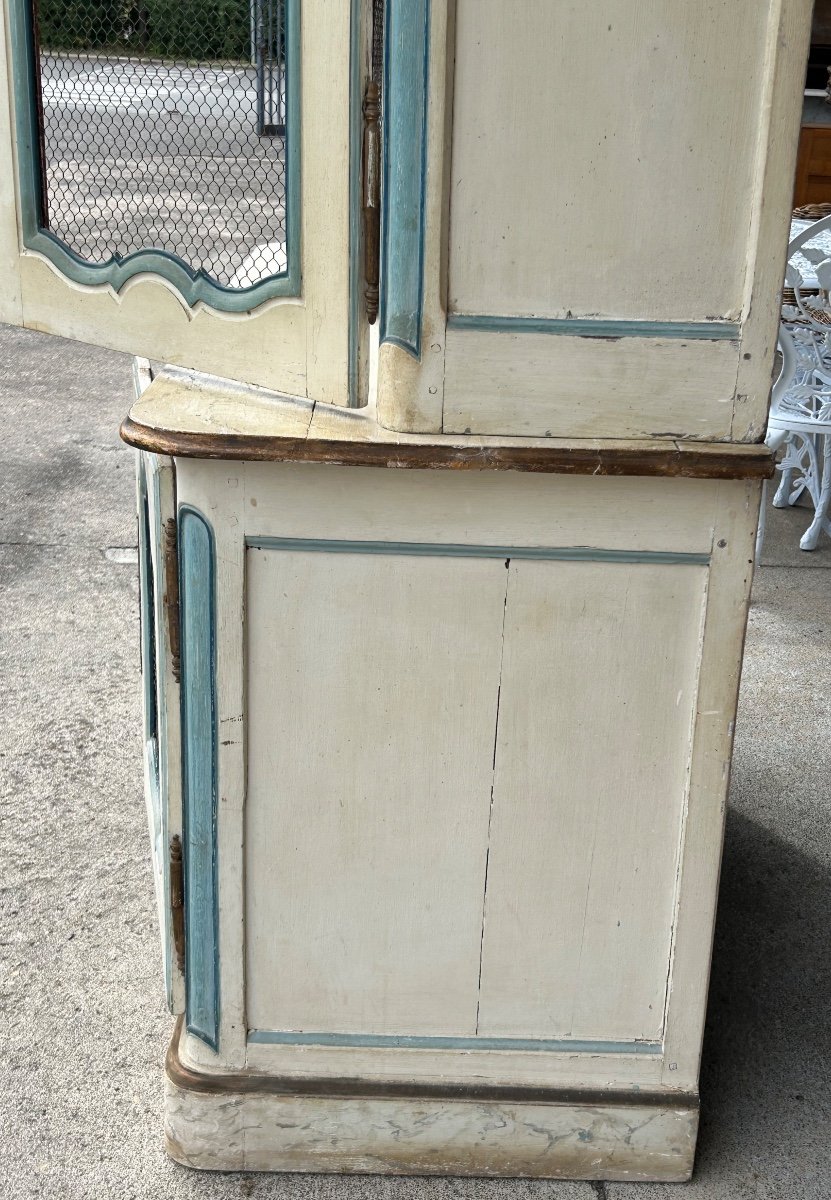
<point>596,709</point>
<point>365,846</point>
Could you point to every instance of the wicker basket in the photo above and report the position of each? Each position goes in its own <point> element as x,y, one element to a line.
<point>789,295</point>
<point>808,212</point>
<point>812,212</point>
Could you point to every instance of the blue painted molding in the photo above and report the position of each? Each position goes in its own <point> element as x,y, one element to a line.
<point>193,285</point>
<point>586,327</point>
<point>197,569</point>
<point>270,1037</point>
<point>456,550</point>
<point>406,65</point>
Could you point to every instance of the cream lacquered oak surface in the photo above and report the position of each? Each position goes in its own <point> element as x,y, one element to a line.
<point>465,773</point>
<point>442,629</point>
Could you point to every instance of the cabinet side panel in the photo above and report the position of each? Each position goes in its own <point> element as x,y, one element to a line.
<point>371,710</point>
<point>597,697</point>
<point>581,102</point>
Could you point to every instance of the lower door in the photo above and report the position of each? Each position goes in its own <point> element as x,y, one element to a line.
<point>467,778</point>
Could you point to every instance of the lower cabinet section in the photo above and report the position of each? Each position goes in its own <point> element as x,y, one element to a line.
<point>455,755</point>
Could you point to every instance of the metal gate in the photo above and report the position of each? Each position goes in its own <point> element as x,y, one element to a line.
<point>268,22</point>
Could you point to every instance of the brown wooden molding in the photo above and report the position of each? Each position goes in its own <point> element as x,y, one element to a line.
<point>257,1082</point>
<point>690,460</point>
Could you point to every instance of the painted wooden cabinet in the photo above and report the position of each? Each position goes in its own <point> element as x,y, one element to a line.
<point>456,721</point>
<point>442,626</point>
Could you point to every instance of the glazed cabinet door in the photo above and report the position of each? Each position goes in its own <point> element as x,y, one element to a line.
<point>586,214</point>
<point>179,181</point>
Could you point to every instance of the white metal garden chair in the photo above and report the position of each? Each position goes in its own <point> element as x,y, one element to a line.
<point>800,416</point>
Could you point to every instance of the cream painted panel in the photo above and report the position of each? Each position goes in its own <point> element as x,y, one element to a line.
<point>324,126</point>
<point>267,347</point>
<point>538,384</point>
<point>488,507</point>
<point>603,157</point>
<point>598,692</point>
<point>365,839</point>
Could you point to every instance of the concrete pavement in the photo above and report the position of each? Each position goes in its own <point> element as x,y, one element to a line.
<point>85,1026</point>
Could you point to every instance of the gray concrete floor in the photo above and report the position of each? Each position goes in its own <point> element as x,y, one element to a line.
<point>84,1024</point>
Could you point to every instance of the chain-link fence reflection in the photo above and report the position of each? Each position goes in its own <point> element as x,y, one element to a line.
<point>163,127</point>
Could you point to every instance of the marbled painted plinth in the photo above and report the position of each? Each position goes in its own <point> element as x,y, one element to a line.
<point>253,1122</point>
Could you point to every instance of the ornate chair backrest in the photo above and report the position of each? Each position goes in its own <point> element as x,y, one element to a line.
<point>808,276</point>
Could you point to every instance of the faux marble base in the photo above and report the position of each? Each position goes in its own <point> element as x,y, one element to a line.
<point>254,1123</point>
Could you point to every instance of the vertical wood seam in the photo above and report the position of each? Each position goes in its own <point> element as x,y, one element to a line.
<point>493,786</point>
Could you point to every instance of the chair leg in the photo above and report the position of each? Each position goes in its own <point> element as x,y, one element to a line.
<point>782,496</point>
<point>810,537</point>
<point>763,520</point>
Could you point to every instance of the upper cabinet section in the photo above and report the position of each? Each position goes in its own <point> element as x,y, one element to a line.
<point>177,182</point>
<point>583,203</point>
<point>586,212</point>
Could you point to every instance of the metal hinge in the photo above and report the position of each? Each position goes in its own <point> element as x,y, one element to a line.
<point>372,196</point>
<point>171,594</point>
<point>177,900</point>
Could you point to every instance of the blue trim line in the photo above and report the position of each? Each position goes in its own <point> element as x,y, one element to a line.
<point>269,1037</point>
<point>193,285</point>
<point>456,550</point>
<point>406,68</point>
<point>197,558</point>
<point>585,327</point>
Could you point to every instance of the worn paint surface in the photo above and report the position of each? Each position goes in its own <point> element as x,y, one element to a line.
<point>192,415</point>
<point>199,775</point>
<point>404,142</point>
<point>253,1122</point>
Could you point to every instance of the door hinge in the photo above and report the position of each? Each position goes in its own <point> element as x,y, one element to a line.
<point>177,900</point>
<point>171,594</point>
<point>372,196</point>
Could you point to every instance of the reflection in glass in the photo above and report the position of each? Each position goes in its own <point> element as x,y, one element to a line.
<point>163,128</point>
